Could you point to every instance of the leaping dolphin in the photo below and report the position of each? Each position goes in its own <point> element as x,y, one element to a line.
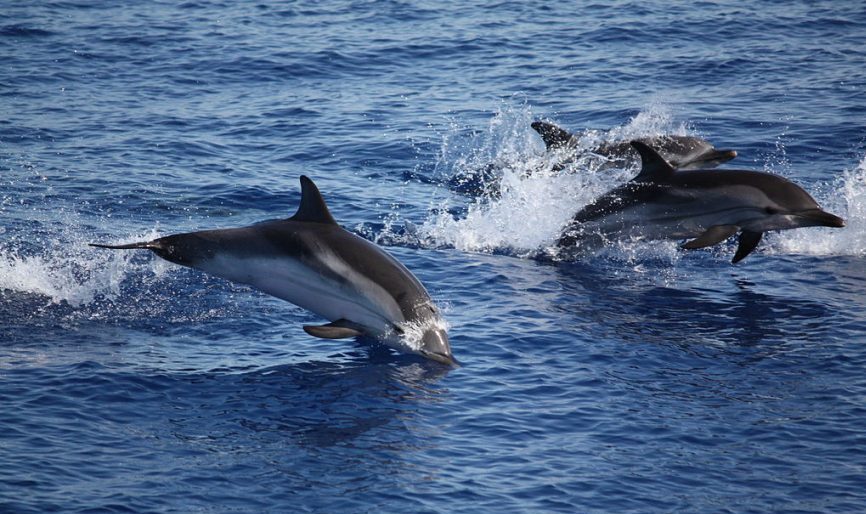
<point>311,261</point>
<point>705,206</point>
<point>682,152</point>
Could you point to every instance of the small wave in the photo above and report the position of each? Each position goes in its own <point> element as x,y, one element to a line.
<point>22,31</point>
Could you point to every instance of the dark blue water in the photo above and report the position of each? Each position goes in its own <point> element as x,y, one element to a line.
<point>639,379</point>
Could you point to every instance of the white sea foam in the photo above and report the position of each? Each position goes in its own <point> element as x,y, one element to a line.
<point>413,332</point>
<point>845,197</point>
<point>70,271</point>
<point>535,202</point>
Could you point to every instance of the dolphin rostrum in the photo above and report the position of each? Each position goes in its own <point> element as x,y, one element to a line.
<point>705,206</point>
<point>682,152</point>
<point>311,261</point>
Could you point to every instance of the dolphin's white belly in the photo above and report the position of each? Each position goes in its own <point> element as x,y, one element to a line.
<point>356,298</point>
<point>684,219</point>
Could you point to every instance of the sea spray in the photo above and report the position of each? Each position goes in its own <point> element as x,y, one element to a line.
<point>533,201</point>
<point>845,197</point>
<point>507,138</point>
<point>68,271</point>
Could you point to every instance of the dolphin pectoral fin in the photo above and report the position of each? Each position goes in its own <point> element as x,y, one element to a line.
<point>713,236</point>
<point>340,329</point>
<point>748,241</point>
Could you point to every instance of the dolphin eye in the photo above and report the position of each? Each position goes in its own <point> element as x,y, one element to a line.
<point>771,210</point>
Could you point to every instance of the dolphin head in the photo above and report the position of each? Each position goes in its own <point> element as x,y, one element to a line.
<point>424,332</point>
<point>692,153</point>
<point>774,218</point>
<point>183,249</point>
<point>435,346</point>
<point>709,159</point>
<point>812,218</point>
<point>817,218</point>
<point>786,206</point>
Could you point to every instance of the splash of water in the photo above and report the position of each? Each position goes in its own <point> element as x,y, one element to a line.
<point>70,272</point>
<point>413,332</point>
<point>847,198</point>
<point>534,201</point>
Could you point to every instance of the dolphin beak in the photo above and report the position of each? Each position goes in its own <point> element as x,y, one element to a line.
<point>435,346</point>
<point>725,155</point>
<point>819,218</point>
<point>719,156</point>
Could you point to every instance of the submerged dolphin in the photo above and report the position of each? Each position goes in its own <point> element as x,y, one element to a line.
<point>682,152</point>
<point>706,206</point>
<point>311,261</point>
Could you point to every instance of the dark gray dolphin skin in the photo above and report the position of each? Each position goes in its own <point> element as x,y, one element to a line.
<point>311,261</point>
<point>682,152</point>
<point>705,206</point>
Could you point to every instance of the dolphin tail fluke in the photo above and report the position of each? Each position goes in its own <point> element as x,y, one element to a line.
<point>147,245</point>
<point>713,236</point>
<point>748,241</point>
<point>339,329</point>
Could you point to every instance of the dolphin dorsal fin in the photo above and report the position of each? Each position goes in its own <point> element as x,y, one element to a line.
<point>313,208</point>
<point>654,167</point>
<point>553,136</point>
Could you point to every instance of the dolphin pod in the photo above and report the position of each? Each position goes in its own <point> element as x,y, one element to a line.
<point>311,261</point>
<point>705,206</point>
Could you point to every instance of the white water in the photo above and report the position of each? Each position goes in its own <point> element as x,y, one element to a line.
<point>71,272</point>
<point>846,197</point>
<point>413,332</point>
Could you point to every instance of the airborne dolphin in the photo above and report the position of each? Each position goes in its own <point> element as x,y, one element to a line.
<point>311,261</point>
<point>682,152</point>
<point>706,206</point>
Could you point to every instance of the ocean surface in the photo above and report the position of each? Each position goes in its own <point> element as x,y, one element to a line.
<point>639,378</point>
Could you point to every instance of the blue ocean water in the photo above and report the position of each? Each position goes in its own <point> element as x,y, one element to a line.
<point>641,378</point>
